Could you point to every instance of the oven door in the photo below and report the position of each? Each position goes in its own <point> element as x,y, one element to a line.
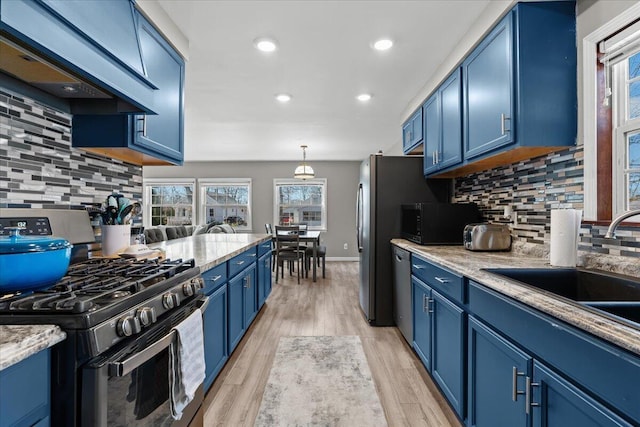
<point>130,386</point>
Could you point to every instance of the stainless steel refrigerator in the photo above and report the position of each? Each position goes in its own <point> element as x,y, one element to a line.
<point>385,184</point>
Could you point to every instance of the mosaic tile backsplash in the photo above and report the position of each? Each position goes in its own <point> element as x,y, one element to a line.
<point>40,169</point>
<point>534,187</point>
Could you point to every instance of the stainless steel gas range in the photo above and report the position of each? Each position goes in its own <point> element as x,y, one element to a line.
<point>119,315</point>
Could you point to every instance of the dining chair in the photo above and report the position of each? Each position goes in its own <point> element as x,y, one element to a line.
<point>288,249</point>
<point>321,253</point>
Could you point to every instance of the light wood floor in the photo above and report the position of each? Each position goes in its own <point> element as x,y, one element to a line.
<point>327,307</point>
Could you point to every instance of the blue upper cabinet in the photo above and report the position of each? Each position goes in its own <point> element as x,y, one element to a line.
<point>489,92</point>
<point>95,40</point>
<point>520,90</point>
<point>412,134</point>
<point>143,139</point>
<point>442,128</point>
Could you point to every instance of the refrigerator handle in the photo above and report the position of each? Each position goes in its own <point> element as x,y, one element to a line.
<point>359,218</point>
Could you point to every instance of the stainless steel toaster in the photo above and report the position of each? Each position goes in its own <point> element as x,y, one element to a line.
<point>487,237</point>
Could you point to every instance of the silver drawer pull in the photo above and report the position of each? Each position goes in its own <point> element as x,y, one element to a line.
<point>252,255</point>
<point>514,389</point>
<point>239,262</point>
<point>527,396</point>
<point>418,267</point>
<point>216,278</point>
<point>442,279</point>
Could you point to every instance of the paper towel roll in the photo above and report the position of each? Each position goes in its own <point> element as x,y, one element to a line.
<point>565,230</point>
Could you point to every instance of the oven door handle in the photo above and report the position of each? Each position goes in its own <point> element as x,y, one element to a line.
<point>122,368</point>
<point>202,304</point>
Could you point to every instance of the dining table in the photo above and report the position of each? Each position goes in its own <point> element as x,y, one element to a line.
<point>313,237</point>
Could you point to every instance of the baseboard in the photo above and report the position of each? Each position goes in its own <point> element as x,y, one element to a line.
<point>344,259</point>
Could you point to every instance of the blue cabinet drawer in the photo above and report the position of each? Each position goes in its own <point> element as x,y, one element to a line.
<point>439,278</point>
<point>242,261</point>
<point>264,248</point>
<point>214,278</point>
<point>578,355</point>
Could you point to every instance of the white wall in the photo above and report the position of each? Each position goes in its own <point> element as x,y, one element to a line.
<point>342,182</point>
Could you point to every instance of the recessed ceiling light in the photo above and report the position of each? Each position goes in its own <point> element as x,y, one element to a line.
<point>283,97</point>
<point>265,44</point>
<point>363,97</point>
<point>383,44</point>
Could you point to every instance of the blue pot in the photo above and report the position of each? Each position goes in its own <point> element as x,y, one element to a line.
<point>30,263</point>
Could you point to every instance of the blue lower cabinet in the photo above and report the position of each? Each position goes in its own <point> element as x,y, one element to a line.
<point>25,391</point>
<point>447,358</point>
<point>250,295</point>
<point>235,300</point>
<point>556,402</point>
<point>421,321</point>
<point>264,279</point>
<point>497,379</point>
<point>216,349</point>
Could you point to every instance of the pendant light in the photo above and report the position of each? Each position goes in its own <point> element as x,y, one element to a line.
<point>304,171</point>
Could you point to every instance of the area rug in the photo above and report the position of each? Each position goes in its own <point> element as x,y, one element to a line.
<point>320,381</point>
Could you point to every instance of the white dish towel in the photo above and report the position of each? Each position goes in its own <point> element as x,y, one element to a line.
<point>187,369</point>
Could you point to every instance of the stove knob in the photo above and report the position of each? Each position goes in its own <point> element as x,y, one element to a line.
<point>198,283</point>
<point>128,326</point>
<point>170,300</point>
<point>146,316</point>
<point>188,289</point>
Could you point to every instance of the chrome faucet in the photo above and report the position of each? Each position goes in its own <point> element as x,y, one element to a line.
<point>611,232</point>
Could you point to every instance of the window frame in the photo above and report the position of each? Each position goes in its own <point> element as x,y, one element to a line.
<point>147,196</point>
<point>292,181</point>
<point>204,182</point>
<point>596,127</point>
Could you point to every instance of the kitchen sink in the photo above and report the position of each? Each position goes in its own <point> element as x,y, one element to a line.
<point>613,295</point>
<point>575,283</point>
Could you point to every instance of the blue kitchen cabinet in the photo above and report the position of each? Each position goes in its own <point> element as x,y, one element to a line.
<point>235,300</point>
<point>412,134</point>
<point>496,382</point>
<point>447,358</point>
<point>215,320</point>
<point>519,84</point>
<point>421,321</point>
<point>591,382</point>
<point>25,391</point>
<point>95,40</point>
<point>439,328</point>
<point>143,139</point>
<point>264,278</point>
<point>250,296</point>
<point>442,114</point>
<point>557,402</point>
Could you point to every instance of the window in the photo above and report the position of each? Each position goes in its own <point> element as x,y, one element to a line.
<point>226,201</point>
<point>609,127</point>
<point>169,202</point>
<point>299,202</point>
<point>625,78</point>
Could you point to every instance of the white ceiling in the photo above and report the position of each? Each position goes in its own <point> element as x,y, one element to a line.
<point>324,60</point>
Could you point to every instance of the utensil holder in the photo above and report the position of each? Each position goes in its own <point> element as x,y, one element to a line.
<point>115,238</point>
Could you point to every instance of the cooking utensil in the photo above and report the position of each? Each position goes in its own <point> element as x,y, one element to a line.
<point>32,262</point>
<point>124,216</point>
<point>112,209</point>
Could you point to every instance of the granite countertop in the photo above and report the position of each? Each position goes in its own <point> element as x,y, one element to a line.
<point>209,250</point>
<point>469,264</point>
<point>17,342</point>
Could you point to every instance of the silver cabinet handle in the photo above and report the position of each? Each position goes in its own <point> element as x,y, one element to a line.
<point>437,156</point>
<point>503,127</point>
<point>216,278</point>
<point>120,369</point>
<point>433,157</point>
<point>514,389</point>
<point>418,267</point>
<point>430,305</point>
<point>239,262</point>
<point>527,397</point>
<point>253,255</point>
<point>442,279</point>
<point>143,119</point>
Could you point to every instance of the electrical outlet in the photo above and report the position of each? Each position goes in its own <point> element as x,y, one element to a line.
<point>346,246</point>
